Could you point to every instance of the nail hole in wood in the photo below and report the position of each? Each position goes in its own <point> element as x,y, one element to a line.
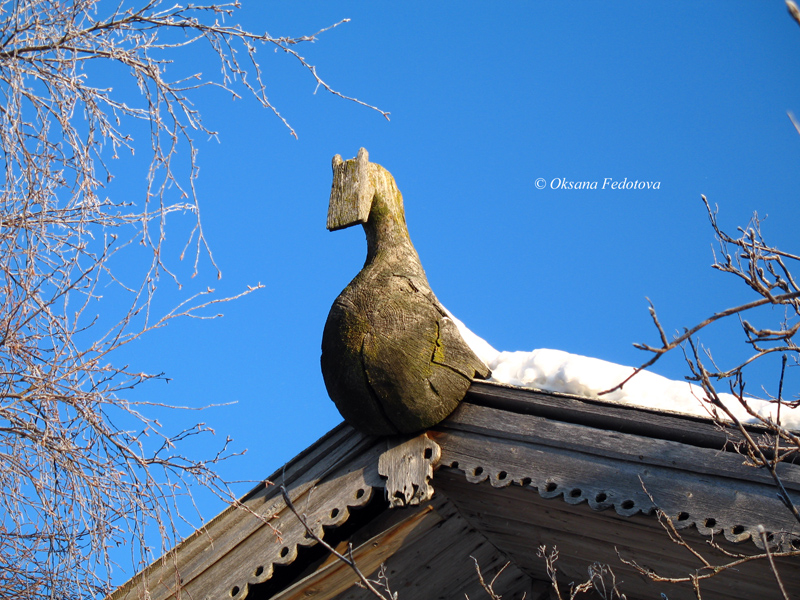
<point>478,470</point>
<point>575,492</point>
<point>259,571</point>
<point>737,530</point>
<point>551,486</point>
<point>360,493</point>
<point>235,590</point>
<point>502,475</point>
<point>627,504</point>
<point>284,552</point>
<point>334,513</point>
<point>710,523</point>
<point>428,452</point>
<point>601,497</point>
<point>683,516</point>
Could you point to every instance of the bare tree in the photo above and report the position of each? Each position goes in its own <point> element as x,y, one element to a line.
<point>84,468</point>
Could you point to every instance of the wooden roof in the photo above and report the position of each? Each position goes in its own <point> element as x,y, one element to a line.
<point>515,470</point>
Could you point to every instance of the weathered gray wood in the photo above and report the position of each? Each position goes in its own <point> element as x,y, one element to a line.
<point>439,565</point>
<point>407,465</point>
<point>541,590</point>
<point>521,480</point>
<point>351,192</point>
<point>516,511</point>
<point>599,414</point>
<point>518,520</point>
<point>603,468</point>
<point>712,504</point>
<point>638,449</point>
<point>241,546</point>
<point>336,576</point>
<point>392,360</point>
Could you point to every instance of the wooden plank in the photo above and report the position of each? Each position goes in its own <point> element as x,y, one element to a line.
<point>714,504</point>
<point>523,508</point>
<point>337,577</point>
<point>514,509</point>
<point>496,423</point>
<point>747,582</point>
<point>577,556</point>
<point>599,414</point>
<point>407,465</point>
<point>351,191</point>
<point>517,521</point>
<point>241,545</point>
<point>439,564</point>
<point>588,449</point>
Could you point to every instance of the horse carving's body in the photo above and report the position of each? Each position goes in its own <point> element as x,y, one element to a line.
<point>392,360</point>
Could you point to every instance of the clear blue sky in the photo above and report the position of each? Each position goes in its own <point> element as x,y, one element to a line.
<point>485,98</point>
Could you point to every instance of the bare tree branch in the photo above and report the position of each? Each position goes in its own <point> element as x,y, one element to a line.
<point>793,10</point>
<point>763,269</point>
<point>348,560</point>
<point>774,568</point>
<point>766,271</point>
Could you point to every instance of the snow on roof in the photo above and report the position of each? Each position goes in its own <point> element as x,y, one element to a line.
<point>559,371</point>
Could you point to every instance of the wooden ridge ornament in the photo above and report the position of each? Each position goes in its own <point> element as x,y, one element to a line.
<point>392,360</point>
<point>407,465</point>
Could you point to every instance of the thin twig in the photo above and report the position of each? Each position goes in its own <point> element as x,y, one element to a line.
<point>347,560</point>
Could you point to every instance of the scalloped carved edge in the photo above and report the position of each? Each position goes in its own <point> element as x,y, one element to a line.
<point>331,513</point>
<point>626,505</point>
<point>554,486</point>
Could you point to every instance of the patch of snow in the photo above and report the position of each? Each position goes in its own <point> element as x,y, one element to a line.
<point>558,371</point>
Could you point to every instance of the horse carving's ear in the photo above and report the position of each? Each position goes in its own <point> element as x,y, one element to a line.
<point>351,192</point>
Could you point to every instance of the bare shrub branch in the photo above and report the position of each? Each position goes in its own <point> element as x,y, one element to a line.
<point>764,269</point>
<point>600,583</point>
<point>488,587</point>
<point>767,271</point>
